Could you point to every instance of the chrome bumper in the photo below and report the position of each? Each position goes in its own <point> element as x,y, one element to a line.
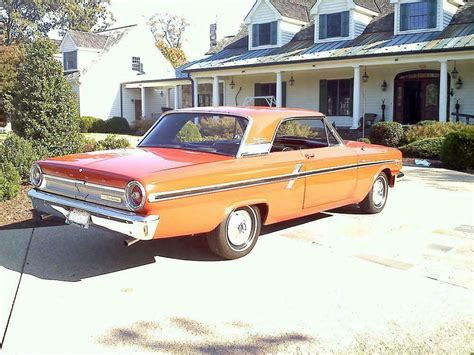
<point>128,223</point>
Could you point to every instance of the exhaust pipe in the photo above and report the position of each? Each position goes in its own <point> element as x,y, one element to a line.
<point>130,241</point>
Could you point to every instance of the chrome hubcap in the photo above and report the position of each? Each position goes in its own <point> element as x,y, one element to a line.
<point>379,192</point>
<point>239,229</point>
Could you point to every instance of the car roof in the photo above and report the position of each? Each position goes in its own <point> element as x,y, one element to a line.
<point>264,120</point>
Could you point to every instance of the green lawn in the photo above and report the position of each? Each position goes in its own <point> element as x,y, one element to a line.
<point>100,136</point>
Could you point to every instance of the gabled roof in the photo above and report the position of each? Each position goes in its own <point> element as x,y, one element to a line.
<point>295,9</point>
<point>88,40</point>
<point>377,40</point>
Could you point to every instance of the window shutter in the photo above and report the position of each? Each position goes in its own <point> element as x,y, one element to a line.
<point>274,32</point>
<point>345,24</point>
<point>255,41</point>
<point>284,94</point>
<point>432,12</point>
<point>404,17</point>
<point>323,26</point>
<point>323,96</point>
<point>74,59</point>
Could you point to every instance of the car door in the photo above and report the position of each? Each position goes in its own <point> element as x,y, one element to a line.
<point>330,167</point>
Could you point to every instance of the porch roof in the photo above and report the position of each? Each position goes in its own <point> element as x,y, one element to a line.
<point>377,40</point>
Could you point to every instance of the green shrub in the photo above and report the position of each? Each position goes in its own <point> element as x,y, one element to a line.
<point>114,125</point>
<point>140,127</point>
<point>426,148</point>
<point>430,129</point>
<point>87,122</point>
<point>364,140</point>
<point>386,133</point>
<point>457,151</point>
<point>20,153</point>
<point>190,133</point>
<point>111,142</point>
<point>45,110</point>
<point>9,181</point>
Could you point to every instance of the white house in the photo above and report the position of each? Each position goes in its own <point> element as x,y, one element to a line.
<point>402,60</point>
<point>96,64</point>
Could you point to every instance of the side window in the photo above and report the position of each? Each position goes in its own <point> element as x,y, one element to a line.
<point>296,134</point>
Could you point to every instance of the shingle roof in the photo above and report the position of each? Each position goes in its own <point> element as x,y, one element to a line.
<point>88,40</point>
<point>378,39</point>
<point>295,9</point>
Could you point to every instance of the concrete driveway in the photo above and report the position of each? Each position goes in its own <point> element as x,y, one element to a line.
<point>333,282</point>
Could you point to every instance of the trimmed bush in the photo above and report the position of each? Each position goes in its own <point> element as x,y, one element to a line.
<point>20,153</point>
<point>87,122</point>
<point>190,133</point>
<point>45,108</point>
<point>430,129</point>
<point>364,140</point>
<point>114,125</point>
<point>457,151</point>
<point>386,133</point>
<point>429,148</point>
<point>9,181</point>
<point>111,142</point>
<point>140,127</point>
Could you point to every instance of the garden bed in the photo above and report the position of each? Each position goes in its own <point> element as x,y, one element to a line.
<point>17,210</point>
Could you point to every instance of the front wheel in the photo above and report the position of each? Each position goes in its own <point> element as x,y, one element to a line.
<point>237,235</point>
<point>377,197</point>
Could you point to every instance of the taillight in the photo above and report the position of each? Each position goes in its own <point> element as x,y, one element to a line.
<point>135,195</point>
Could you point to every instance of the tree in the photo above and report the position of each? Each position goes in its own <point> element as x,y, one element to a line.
<point>28,19</point>
<point>10,58</point>
<point>175,56</point>
<point>168,28</point>
<point>45,108</point>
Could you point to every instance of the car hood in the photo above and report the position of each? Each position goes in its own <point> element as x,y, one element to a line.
<point>118,167</point>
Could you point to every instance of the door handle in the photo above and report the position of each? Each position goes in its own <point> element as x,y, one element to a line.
<point>309,155</point>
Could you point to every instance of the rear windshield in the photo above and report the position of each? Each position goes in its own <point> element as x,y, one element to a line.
<point>210,133</point>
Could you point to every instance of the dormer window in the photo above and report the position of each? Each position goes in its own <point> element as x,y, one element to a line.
<point>265,34</point>
<point>70,60</point>
<point>334,25</point>
<point>418,15</point>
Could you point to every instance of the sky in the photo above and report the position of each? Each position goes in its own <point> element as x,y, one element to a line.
<point>200,14</point>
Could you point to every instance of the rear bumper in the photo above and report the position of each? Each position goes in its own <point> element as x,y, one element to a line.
<point>127,223</point>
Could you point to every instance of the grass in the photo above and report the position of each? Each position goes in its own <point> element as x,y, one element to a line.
<point>101,136</point>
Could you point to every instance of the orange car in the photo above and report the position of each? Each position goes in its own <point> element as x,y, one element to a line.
<point>221,171</point>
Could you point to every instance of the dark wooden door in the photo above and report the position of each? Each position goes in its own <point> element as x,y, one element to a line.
<point>138,110</point>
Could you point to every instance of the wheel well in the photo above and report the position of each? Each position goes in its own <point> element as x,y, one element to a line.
<point>263,208</point>
<point>391,179</point>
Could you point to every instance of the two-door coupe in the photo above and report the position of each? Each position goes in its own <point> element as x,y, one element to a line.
<point>220,171</point>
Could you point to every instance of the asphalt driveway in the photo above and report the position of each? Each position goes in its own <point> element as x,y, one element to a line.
<point>333,282</point>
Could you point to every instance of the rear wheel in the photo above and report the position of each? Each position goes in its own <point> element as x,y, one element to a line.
<point>377,197</point>
<point>237,235</point>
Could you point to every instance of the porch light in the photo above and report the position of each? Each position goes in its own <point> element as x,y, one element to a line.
<point>232,84</point>
<point>454,73</point>
<point>384,86</point>
<point>162,93</point>
<point>292,80</point>
<point>459,84</point>
<point>365,77</point>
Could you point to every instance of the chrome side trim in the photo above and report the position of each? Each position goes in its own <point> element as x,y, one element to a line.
<point>196,191</point>
<point>127,223</point>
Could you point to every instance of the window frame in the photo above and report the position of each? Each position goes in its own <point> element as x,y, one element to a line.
<point>66,61</point>
<point>345,31</point>
<point>432,18</point>
<point>273,29</point>
<point>338,113</point>
<point>328,128</point>
<point>137,61</point>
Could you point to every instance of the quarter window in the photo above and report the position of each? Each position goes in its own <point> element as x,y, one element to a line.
<point>334,25</point>
<point>70,60</point>
<point>418,15</point>
<point>264,34</point>
<point>303,133</point>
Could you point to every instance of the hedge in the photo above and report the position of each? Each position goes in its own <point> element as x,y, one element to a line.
<point>389,134</point>
<point>87,122</point>
<point>426,148</point>
<point>430,129</point>
<point>457,151</point>
<point>9,181</point>
<point>114,125</point>
<point>20,153</point>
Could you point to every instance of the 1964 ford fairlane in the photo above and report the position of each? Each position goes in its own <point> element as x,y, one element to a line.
<point>220,171</point>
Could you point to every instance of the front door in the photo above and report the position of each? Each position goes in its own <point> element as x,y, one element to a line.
<point>138,110</point>
<point>417,97</point>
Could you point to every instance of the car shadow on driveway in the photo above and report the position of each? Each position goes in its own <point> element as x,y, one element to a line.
<point>66,253</point>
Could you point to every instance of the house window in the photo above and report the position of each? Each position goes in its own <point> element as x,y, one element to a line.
<point>264,34</point>
<point>136,64</point>
<point>334,25</point>
<point>336,97</point>
<point>70,60</point>
<point>268,90</point>
<point>418,15</point>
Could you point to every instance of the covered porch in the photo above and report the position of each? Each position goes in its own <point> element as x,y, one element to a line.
<point>405,89</point>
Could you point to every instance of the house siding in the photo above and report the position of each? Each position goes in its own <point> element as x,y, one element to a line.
<point>264,13</point>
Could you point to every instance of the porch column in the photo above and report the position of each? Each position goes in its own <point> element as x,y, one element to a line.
<point>356,98</point>
<point>443,91</point>
<point>195,93</point>
<point>279,89</point>
<point>215,92</point>
<point>143,98</point>
<point>176,97</point>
